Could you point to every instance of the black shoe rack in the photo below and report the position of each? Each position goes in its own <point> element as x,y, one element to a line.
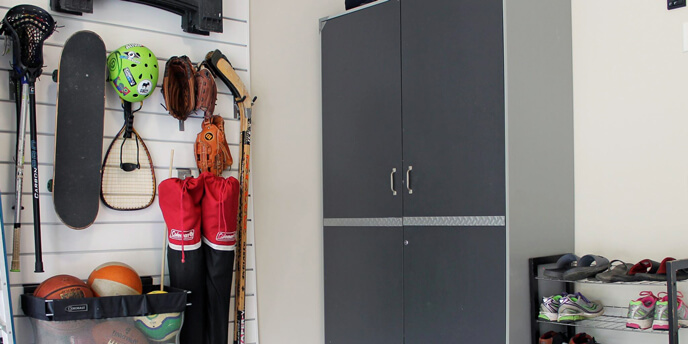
<point>615,317</point>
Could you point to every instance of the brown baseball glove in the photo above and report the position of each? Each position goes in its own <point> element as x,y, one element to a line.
<point>206,92</point>
<point>212,151</point>
<point>178,87</point>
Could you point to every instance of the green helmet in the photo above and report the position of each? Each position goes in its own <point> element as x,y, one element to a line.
<point>133,72</point>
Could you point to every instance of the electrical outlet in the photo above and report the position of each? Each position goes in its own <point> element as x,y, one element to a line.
<point>672,4</point>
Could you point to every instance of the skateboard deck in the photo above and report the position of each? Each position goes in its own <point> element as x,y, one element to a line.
<point>81,82</point>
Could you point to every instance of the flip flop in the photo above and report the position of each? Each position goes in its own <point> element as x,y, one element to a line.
<point>615,273</point>
<point>564,263</point>
<point>587,266</point>
<point>660,273</point>
<point>643,266</point>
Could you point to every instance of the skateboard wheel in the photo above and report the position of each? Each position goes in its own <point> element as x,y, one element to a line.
<point>55,75</point>
<point>50,185</point>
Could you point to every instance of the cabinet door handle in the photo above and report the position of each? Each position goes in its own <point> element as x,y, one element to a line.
<point>391,181</point>
<point>408,179</point>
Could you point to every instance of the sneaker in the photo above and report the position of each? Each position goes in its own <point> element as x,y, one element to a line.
<point>577,307</point>
<point>641,312</point>
<point>552,337</point>
<point>549,308</point>
<point>661,319</point>
<point>583,338</point>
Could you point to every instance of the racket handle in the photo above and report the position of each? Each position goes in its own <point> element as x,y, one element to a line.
<point>16,243</point>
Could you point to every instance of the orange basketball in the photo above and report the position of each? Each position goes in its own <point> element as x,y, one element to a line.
<point>117,332</point>
<point>63,287</point>
<point>114,278</point>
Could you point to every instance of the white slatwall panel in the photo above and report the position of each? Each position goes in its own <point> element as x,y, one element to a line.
<point>131,237</point>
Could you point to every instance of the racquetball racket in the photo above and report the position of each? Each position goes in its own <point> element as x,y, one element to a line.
<point>127,177</point>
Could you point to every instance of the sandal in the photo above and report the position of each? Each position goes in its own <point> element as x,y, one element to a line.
<point>660,274</point>
<point>615,273</point>
<point>588,266</point>
<point>564,263</point>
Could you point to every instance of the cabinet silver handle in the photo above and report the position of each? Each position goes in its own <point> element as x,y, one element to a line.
<point>391,181</point>
<point>408,179</point>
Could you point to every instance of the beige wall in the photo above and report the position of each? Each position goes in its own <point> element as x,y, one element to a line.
<point>287,167</point>
<point>631,138</point>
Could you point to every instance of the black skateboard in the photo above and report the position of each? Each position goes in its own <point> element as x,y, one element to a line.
<point>81,82</point>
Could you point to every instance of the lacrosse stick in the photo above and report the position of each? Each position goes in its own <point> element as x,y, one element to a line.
<point>28,27</point>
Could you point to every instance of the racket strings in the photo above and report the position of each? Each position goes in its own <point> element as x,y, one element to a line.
<point>128,190</point>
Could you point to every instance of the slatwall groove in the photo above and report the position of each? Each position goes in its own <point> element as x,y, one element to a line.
<point>43,223</point>
<point>119,111</point>
<point>45,173</point>
<point>4,131</point>
<point>156,149</point>
<point>133,237</point>
<point>49,74</point>
<point>50,253</point>
<point>46,95</point>
<point>157,167</point>
<point>162,52</point>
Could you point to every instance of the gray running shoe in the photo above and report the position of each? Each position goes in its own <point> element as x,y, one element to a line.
<point>575,307</point>
<point>661,320</point>
<point>641,312</point>
<point>549,308</point>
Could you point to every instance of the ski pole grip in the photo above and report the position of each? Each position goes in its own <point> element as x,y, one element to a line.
<point>14,266</point>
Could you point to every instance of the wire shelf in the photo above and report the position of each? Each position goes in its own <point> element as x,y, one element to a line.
<point>591,281</point>
<point>614,319</point>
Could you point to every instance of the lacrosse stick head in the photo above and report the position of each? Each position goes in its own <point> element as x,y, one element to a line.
<point>28,27</point>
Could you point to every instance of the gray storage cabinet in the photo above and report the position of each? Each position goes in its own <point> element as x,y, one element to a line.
<point>447,163</point>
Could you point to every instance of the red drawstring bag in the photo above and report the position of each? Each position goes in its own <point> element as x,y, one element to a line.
<point>180,202</point>
<point>220,208</point>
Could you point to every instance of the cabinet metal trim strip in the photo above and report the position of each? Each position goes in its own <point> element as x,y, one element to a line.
<point>364,222</point>
<point>455,221</point>
<point>437,221</point>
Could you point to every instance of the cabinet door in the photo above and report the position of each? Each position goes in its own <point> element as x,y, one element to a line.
<point>361,94</point>
<point>363,285</point>
<point>453,107</point>
<point>455,285</point>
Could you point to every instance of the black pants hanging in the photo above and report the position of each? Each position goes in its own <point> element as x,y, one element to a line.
<point>190,276</point>
<point>219,267</point>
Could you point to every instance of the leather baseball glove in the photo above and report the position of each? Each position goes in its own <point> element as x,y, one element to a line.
<point>212,151</point>
<point>206,91</point>
<point>178,87</point>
